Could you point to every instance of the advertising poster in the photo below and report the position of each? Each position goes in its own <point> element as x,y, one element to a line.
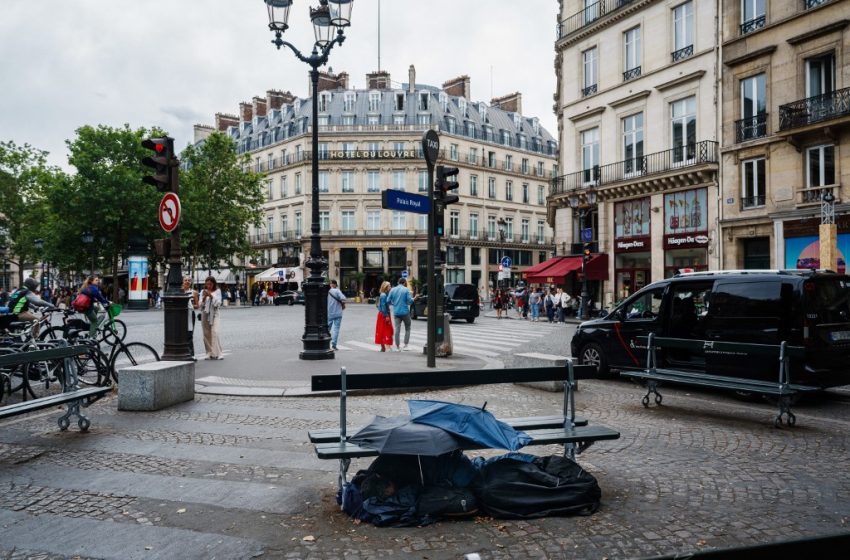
<point>686,211</point>
<point>137,268</point>
<point>804,252</point>
<point>631,218</point>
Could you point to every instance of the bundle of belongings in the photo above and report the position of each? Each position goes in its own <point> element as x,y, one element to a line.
<point>422,475</point>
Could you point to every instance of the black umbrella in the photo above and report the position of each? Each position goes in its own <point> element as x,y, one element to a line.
<point>397,435</point>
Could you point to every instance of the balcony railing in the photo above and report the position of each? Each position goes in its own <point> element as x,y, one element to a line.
<point>809,4</point>
<point>753,24</point>
<point>589,15</point>
<point>755,201</point>
<point>589,90</point>
<point>751,128</point>
<point>631,74</point>
<point>638,167</point>
<point>682,53</point>
<point>815,109</point>
<point>814,195</point>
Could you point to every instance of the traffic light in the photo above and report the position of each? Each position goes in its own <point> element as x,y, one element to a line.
<point>162,162</point>
<point>444,183</point>
<point>439,224</point>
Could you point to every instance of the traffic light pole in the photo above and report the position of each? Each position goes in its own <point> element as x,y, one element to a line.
<point>433,247</point>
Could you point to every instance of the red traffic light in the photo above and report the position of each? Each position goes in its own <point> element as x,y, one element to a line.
<point>159,147</point>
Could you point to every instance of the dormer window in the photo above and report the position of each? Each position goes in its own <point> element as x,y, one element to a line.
<point>470,129</point>
<point>451,124</point>
<point>461,104</point>
<point>348,101</point>
<point>517,120</point>
<point>374,101</point>
<point>535,124</point>
<point>424,100</point>
<point>444,101</point>
<point>324,102</point>
<point>506,138</point>
<point>399,101</point>
<point>482,112</point>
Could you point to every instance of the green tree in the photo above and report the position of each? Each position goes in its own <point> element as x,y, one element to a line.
<point>218,192</point>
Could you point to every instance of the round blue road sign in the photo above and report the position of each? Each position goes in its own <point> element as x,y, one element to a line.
<point>506,262</point>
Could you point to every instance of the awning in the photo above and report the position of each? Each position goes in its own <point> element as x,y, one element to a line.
<point>273,274</point>
<point>557,269</point>
<point>223,276</point>
<point>538,269</point>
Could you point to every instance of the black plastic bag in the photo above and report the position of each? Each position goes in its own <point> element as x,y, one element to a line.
<point>446,501</point>
<point>547,486</point>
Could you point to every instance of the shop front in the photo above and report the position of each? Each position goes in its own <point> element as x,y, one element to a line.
<point>632,247</point>
<point>802,243</point>
<point>685,232</point>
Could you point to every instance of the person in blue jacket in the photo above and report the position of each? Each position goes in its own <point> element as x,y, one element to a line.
<point>91,288</point>
<point>400,299</point>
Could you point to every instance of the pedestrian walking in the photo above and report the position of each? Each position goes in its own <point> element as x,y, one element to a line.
<point>534,302</point>
<point>384,324</point>
<point>498,303</point>
<point>400,299</point>
<point>549,303</point>
<point>193,305</point>
<point>210,317</point>
<point>336,305</point>
<point>562,301</point>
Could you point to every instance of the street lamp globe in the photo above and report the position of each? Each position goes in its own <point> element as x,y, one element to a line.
<point>87,238</point>
<point>322,26</point>
<point>573,201</point>
<point>341,12</point>
<point>278,14</point>
<point>39,244</point>
<point>590,196</point>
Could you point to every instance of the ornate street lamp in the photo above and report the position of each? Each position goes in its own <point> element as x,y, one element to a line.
<point>330,16</point>
<point>584,210</point>
<point>39,245</point>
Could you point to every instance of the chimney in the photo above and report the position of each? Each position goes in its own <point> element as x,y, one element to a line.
<point>328,81</point>
<point>223,121</point>
<point>258,106</point>
<point>246,112</point>
<point>411,79</point>
<point>511,103</point>
<point>378,80</point>
<point>275,99</point>
<point>202,131</point>
<point>458,87</point>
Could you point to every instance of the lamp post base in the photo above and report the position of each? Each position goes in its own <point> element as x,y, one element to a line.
<point>176,310</point>
<point>316,339</point>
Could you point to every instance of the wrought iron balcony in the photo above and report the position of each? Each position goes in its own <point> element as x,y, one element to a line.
<point>815,109</point>
<point>639,167</point>
<point>589,15</point>
<point>682,53</point>
<point>755,201</point>
<point>809,4</point>
<point>811,196</point>
<point>589,90</point>
<point>753,24</point>
<point>751,128</point>
<point>631,74</point>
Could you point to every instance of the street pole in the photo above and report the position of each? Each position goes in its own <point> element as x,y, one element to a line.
<point>431,149</point>
<point>584,293</point>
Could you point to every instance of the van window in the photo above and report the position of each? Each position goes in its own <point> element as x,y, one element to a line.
<point>461,291</point>
<point>645,306</point>
<point>747,300</point>
<point>829,299</point>
<point>688,308</point>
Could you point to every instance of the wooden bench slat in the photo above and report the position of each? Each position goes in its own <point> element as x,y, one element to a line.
<point>580,434</point>
<point>719,382</point>
<point>52,400</point>
<point>752,349</point>
<point>528,423</point>
<point>50,354</point>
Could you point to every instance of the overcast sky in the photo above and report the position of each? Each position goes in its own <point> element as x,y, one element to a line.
<point>70,63</point>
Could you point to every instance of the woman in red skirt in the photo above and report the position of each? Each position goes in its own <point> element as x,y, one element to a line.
<point>384,325</point>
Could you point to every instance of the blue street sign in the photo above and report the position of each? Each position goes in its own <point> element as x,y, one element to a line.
<point>506,262</point>
<point>406,202</point>
<point>404,274</point>
<point>587,235</point>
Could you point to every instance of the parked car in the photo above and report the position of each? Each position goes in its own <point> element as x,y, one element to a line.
<point>801,307</point>
<point>289,297</point>
<point>459,300</point>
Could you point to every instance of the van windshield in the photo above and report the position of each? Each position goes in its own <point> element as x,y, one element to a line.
<point>461,291</point>
<point>829,298</point>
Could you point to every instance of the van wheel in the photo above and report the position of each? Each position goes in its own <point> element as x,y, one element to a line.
<point>591,355</point>
<point>413,312</point>
<point>470,319</point>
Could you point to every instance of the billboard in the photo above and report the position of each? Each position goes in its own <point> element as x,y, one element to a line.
<point>804,252</point>
<point>137,271</point>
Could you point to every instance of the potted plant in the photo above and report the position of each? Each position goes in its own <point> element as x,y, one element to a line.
<point>358,278</point>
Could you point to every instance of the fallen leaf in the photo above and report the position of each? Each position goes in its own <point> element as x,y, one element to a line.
<point>309,538</point>
<point>181,510</point>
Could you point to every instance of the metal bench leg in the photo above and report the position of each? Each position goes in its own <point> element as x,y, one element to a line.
<point>570,451</point>
<point>651,387</point>
<point>785,410</point>
<point>343,472</point>
<point>72,383</point>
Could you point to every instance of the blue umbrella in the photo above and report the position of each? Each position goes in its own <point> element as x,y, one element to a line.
<point>469,422</point>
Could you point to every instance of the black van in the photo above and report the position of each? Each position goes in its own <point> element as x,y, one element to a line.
<point>804,308</point>
<point>461,301</point>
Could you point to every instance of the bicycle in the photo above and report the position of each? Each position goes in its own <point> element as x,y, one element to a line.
<point>107,331</point>
<point>120,355</point>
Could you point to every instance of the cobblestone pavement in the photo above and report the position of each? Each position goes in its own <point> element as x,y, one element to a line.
<point>233,477</point>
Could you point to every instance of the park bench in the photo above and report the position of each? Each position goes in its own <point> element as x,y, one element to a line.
<point>782,390</point>
<point>72,395</point>
<point>565,428</point>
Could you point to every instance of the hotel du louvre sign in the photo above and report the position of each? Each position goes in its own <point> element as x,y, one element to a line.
<point>372,154</point>
<point>686,240</point>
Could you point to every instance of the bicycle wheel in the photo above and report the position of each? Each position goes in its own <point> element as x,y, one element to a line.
<point>132,354</point>
<point>92,367</point>
<point>113,331</point>
<point>53,333</point>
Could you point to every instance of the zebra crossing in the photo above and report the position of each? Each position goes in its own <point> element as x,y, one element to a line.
<point>486,340</point>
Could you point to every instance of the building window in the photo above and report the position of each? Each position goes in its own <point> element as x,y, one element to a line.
<point>324,101</point>
<point>374,147</point>
<point>591,71</point>
<point>473,226</point>
<point>347,221</point>
<point>269,190</point>
<point>284,225</point>
<point>633,144</point>
<point>398,120</point>
<point>524,230</point>
<point>323,150</point>
<point>820,166</point>
<point>270,227</point>
<point>451,125</point>
<point>683,115</point>
<point>399,101</point>
<point>324,220</point>
<point>541,195</point>
<point>753,183</point>
<point>473,185</point>
<point>373,220</point>
<point>347,181</point>
<point>589,155</point>
<point>509,229</point>
<point>283,187</point>
<point>683,31</point>
<point>473,155</point>
<point>509,162</point>
<point>399,220</point>
<point>443,98</point>
<point>525,197</point>
<point>470,129</point>
<point>374,101</point>
<point>540,232</point>
<point>398,147</point>
<point>524,166</point>
<point>422,222</point>
<point>424,99</point>
<point>298,226</point>
<point>348,101</point>
<point>753,123</point>
<point>752,15</point>
<point>348,148</point>
<point>491,228</point>
<point>509,190</point>
<point>491,159</point>
<point>398,179</point>
<point>348,120</point>
<point>453,152</point>
<point>423,181</point>
<point>297,183</point>
<point>374,181</point>
<point>631,53</point>
<point>820,75</point>
<point>270,164</point>
<point>423,120</point>
<point>323,181</point>
<point>491,187</point>
<point>540,169</point>
<point>373,120</point>
<point>454,223</point>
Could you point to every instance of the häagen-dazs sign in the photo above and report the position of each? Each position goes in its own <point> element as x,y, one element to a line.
<point>686,240</point>
<point>631,245</point>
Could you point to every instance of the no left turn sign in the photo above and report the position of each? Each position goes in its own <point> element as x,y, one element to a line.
<point>169,212</point>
